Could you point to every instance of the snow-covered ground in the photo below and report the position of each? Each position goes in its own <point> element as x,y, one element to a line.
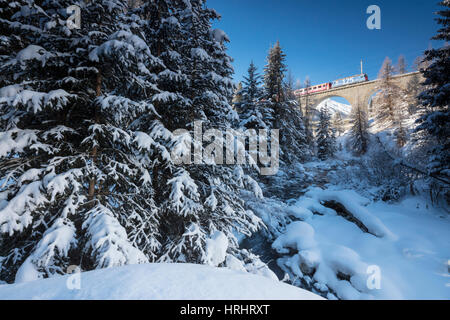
<point>383,251</point>
<point>158,282</point>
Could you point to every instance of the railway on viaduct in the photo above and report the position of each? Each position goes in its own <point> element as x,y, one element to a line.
<point>353,93</point>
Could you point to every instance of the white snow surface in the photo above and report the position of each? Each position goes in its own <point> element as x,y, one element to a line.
<point>409,242</point>
<point>158,282</point>
<point>354,203</point>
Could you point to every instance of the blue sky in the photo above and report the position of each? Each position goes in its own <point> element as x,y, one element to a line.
<point>325,39</point>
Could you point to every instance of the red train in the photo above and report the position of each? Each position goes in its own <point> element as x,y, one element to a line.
<point>313,89</point>
<point>336,83</point>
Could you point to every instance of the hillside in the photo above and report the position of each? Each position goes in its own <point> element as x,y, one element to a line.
<point>335,107</point>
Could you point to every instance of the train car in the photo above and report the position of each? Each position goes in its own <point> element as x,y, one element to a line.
<point>329,85</point>
<point>313,89</point>
<point>350,80</point>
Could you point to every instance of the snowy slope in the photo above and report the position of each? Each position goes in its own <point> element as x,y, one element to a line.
<point>335,107</point>
<point>159,282</point>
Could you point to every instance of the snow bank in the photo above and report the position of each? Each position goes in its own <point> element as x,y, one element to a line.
<point>322,264</point>
<point>354,203</point>
<point>159,282</point>
<point>299,236</point>
<point>339,259</point>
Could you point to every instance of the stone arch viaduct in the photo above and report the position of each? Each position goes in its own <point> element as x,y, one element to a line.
<point>353,93</point>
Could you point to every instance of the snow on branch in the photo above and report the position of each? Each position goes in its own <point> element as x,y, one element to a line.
<point>55,244</point>
<point>108,243</point>
<point>16,214</point>
<point>16,141</point>
<point>184,195</point>
<point>35,101</point>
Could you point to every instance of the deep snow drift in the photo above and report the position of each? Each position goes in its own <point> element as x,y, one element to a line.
<point>158,282</point>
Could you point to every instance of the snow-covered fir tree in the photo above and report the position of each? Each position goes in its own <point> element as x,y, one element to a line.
<point>359,134</point>
<point>86,136</point>
<point>287,115</point>
<point>274,74</point>
<point>194,200</point>
<point>433,126</point>
<point>325,139</point>
<point>252,83</point>
<point>75,188</point>
<point>253,113</point>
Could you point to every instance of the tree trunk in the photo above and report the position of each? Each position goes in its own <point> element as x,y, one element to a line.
<point>93,181</point>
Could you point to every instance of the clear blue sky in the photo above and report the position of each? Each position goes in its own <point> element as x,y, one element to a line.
<point>325,39</point>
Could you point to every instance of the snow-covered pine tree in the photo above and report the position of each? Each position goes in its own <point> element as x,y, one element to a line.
<point>254,114</point>
<point>433,125</point>
<point>195,200</point>
<point>252,83</point>
<point>274,73</point>
<point>287,115</point>
<point>75,190</point>
<point>325,140</point>
<point>359,134</point>
<point>293,135</point>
